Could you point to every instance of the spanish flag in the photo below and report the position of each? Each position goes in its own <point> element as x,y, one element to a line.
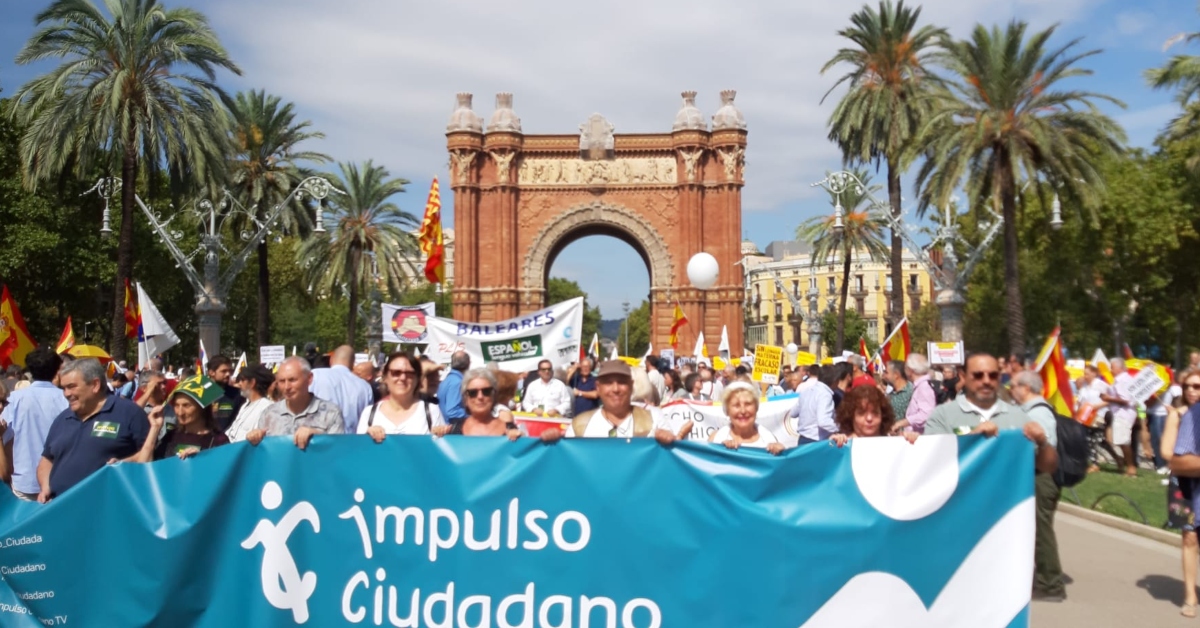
<point>1056,383</point>
<point>66,340</point>
<point>678,321</point>
<point>131,312</point>
<point>898,345</point>
<point>866,355</point>
<point>1100,361</point>
<point>15,341</point>
<point>430,237</point>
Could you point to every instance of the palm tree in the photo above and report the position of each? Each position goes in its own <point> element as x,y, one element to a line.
<point>363,224</point>
<point>887,101</point>
<point>1182,74</point>
<point>862,231</point>
<point>263,168</point>
<point>136,85</point>
<point>1006,116</point>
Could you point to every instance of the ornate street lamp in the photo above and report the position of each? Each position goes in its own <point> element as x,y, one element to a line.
<point>212,287</point>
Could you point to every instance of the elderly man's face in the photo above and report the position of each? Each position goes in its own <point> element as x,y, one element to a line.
<point>81,396</point>
<point>585,368</point>
<point>983,377</point>
<point>545,371</point>
<point>293,382</point>
<point>615,392</point>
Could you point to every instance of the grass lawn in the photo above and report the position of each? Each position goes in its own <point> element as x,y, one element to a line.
<point>1146,491</point>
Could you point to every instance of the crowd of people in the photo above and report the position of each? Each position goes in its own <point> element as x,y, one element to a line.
<point>64,419</point>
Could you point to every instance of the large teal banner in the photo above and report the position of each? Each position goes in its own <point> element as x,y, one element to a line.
<point>462,531</point>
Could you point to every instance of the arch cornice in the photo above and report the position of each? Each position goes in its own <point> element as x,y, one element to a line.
<point>605,214</point>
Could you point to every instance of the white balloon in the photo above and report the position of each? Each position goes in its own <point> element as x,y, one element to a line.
<point>702,271</point>
<point>792,349</point>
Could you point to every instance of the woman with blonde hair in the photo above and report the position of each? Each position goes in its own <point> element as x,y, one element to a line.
<point>740,402</point>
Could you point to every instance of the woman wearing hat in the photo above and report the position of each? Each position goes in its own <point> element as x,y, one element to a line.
<point>195,430</point>
<point>740,401</point>
<point>255,382</point>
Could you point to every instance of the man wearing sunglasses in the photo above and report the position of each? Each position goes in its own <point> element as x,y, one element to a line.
<point>979,410</point>
<point>546,396</point>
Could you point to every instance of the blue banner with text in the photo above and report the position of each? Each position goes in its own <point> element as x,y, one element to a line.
<point>480,532</point>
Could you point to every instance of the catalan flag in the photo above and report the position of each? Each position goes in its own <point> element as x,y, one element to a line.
<point>1056,383</point>
<point>679,320</point>
<point>131,312</point>
<point>15,341</point>
<point>430,237</point>
<point>866,355</point>
<point>66,340</point>
<point>898,345</point>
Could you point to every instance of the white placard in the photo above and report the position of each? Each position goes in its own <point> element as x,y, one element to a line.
<point>271,354</point>
<point>515,345</point>
<point>1145,383</point>
<point>406,323</point>
<point>947,353</point>
<point>359,358</point>
<point>668,355</point>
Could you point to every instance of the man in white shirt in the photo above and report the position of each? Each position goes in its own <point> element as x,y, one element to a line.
<point>546,396</point>
<point>1124,413</point>
<point>616,417</point>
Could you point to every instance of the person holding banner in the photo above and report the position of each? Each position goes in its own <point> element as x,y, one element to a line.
<point>617,417</point>
<point>485,417</point>
<point>255,382</point>
<point>402,411</point>
<point>299,414</point>
<point>741,406</point>
<point>196,430</point>
<point>865,412</point>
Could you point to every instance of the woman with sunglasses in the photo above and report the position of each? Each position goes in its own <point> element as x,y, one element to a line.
<point>402,411</point>
<point>484,416</point>
<point>1178,446</point>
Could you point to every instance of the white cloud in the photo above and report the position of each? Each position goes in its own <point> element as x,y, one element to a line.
<point>379,78</point>
<point>1133,22</point>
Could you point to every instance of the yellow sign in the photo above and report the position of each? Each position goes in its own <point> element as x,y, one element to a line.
<point>805,358</point>
<point>767,360</point>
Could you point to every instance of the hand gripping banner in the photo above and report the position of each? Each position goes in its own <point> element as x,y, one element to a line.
<point>483,532</point>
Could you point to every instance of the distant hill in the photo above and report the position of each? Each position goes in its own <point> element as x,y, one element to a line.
<point>609,329</point>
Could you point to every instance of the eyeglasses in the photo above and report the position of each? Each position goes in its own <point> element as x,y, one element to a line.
<point>476,392</point>
<point>990,375</point>
<point>1192,386</point>
<point>402,373</point>
<point>545,370</point>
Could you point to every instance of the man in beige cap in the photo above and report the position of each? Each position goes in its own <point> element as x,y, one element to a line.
<point>616,417</point>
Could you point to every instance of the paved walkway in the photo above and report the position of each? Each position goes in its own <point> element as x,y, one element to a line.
<point>1115,579</point>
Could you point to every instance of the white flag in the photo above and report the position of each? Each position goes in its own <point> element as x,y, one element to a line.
<point>614,355</point>
<point>241,364</point>
<point>723,348</point>
<point>594,348</point>
<point>701,352</point>
<point>155,335</point>
<point>649,350</point>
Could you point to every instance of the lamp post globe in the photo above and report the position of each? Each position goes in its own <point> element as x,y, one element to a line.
<point>702,271</point>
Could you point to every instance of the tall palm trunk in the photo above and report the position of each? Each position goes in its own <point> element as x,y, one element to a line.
<point>1012,284</point>
<point>352,317</point>
<point>129,164</point>
<point>841,330</point>
<point>896,307</point>
<point>263,327</point>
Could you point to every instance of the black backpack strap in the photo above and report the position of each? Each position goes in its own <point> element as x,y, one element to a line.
<point>428,421</point>
<point>371,417</point>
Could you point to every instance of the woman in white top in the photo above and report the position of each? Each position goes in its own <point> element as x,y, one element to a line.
<point>402,411</point>
<point>740,401</point>
<point>254,381</point>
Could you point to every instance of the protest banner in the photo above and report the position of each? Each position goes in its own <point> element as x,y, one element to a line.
<point>515,345</point>
<point>709,416</point>
<point>947,353</point>
<point>406,324</point>
<point>767,362</point>
<point>1145,383</point>
<point>485,532</point>
<point>271,354</point>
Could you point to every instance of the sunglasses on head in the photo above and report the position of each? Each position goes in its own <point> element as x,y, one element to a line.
<point>990,375</point>
<point>476,392</point>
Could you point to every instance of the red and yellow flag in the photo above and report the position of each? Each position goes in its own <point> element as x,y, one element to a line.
<point>898,345</point>
<point>1056,382</point>
<point>679,320</point>
<point>66,340</point>
<point>131,312</point>
<point>15,341</point>
<point>430,237</point>
<point>866,355</point>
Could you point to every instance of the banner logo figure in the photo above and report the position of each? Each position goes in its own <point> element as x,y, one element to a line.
<point>283,585</point>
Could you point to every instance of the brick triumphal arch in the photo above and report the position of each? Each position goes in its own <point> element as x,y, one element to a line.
<point>519,200</point>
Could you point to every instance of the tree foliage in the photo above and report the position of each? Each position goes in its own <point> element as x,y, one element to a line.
<point>559,290</point>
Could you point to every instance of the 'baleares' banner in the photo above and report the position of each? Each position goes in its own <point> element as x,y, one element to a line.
<point>481,532</point>
<point>516,344</point>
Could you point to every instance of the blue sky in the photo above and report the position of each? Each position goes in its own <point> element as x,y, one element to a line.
<point>379,79</point>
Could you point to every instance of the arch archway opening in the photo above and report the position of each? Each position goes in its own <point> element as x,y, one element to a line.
<point>612,268</point>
